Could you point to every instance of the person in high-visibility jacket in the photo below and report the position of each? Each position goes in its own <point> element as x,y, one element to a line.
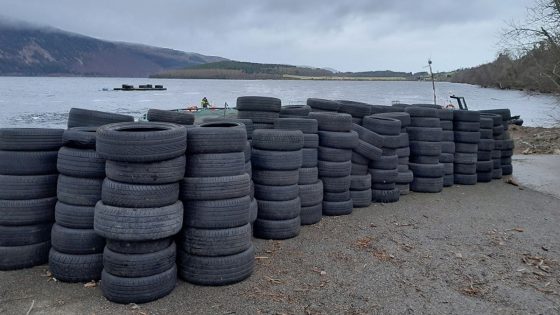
<point>204,103</point>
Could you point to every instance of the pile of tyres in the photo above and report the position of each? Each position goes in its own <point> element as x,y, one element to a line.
<point>140,204</point>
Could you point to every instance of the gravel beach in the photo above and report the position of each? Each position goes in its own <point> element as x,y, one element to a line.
<point>489,248</point>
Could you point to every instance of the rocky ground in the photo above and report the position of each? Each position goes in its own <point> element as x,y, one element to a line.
<point>535,140</point>
<point>490,248</point>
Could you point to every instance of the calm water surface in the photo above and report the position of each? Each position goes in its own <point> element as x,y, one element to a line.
<point>45,102</point>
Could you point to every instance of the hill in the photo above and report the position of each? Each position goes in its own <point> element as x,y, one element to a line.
<point>27,50</point>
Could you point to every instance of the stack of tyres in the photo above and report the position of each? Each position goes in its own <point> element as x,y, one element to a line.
<point>447,156</point>
<point>175,117</point>
<point>405,175</point>
<point>336,142</point>
<point>466,130</point>
<point>485,165</point>
<point>140,211</point>
<point>369,149</point>
<point>385,170</point>
<point>77,251</point>
<point>497,131</point>
<point>277,157</point>
<point>295,111</point>
<point>79,117</point>
<point>357,110</point>
<point>260,109</point>
<point>28,179</point>
<point>322,105</point>
<point>503,142</point>
<point>215,245</point>
<point>425,135</point>
<point>310,186</point>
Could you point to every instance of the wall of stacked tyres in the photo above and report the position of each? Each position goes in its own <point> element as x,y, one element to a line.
<point>139,204</point>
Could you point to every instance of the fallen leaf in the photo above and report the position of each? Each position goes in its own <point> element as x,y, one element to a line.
<point>91,284</point>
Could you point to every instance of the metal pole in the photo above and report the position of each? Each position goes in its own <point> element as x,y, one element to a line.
<point>433,81</point>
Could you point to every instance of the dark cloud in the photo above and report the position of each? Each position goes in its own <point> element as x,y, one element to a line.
<point>347,35</point>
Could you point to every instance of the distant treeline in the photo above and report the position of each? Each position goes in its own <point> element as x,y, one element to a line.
<point>537,70</point>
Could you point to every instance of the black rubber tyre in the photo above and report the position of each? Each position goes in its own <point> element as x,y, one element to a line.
<point>464,115</point>
<point>383,186</point>
<point>425,122</point>
<point>310,140</point>
<point>505,114</point>
<point>383,176</point>
<point>278,140</point>
<point>359,169</point>
<point>247,123</point>
<point>507,169</point>
<point>161,172</point>
<point>459,168</point>
<point>311,194</point>
<point>425,148</point>
<point>336,196</point>
<point>339,140</point>
<point>367,150</point>
<point>445,114</point>
<point>360,182</point>
<point>80,137</point>
<point>426,170</point>
<point>484,166</point>
<point>403,152</point>
<point>308,175</point>
<point>336,208</point>
<point>448,180</point>
<point>395,142</point>
<point>486,122</point>
<point>216,242</point>
<point>369,136</point>
<point>425,159</point>
<point>448,168</point>
<point>361,198</point>
<point>276,160</point>
<point>76,241</point>
<point>13,187</point>
<point>24,234</point>
<point>310,157</point>
<point>279,210</point>
<point>217,214</point>
<point>406,177</point>
<point>385,196</point>
<point>473,126</point>
<point>424,134</point>
<point>507,154</point>
<point>79,191</point>
<point>20,257</point>
<point>497,173</point>
<point>336,184</point>
<point>322,104</point>
<point>486,134</point>
<point>355,109</point>
<point>217,137</point>
<point>446,125</point>
<point>403,117</point>
<point>30,139</point>
<point>336,122</point>
<point>427,185</point>
<point>259,117</point>
<point>448,136</point>
<point>382,125</point>
<point>359,159</point>
<point>312,214</point>
<point>497,130</point>
<point>467,137</point>
<point>80,163</point>
<point>79,117</point>
<point>404,189</point>
<point>217,164</point>
<point>305,125</point>
<point>465,179</point>
<point>139,265</point>
<point>26,212</point>
<point>141,142</point>
<point>215,271</point>
<point>75,268</point>
<point>212,188</point>
<point>294,111</point>
<point>138,224</point>
<point>461,147</point>
<point>140,247</point>
<point>138,290</point>
<point>484,177</point>
<point>74,217</point>
<point>276,193</point>
<point>259,103</point>
<point>334,169</point>
<point>447,147</point>
<point>389,162</point>
<point>275,178</point>
<point>28,162</point>
<point>175,117</point>
<point>258,125</point>
<point>139,196</point>
<point>277,230</point>
<point>465,158</point>
<point>421,111</point>
<point>334,155</point>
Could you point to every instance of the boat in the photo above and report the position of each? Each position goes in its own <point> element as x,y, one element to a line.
<point>141,87</point>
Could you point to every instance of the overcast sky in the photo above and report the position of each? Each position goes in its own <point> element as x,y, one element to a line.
<point>347,35</point>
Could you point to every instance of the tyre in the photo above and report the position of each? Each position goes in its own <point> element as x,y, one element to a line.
<point>310,140</point>
<point>79,117</point>
<point>212,188</point>
<point>395,142</point>
<point>403,117</point>
<point>425,159</point>
<point>75,268</point>
<point>389,162</point>
<point>278,140</point>
<point>13,187</point>
<point>484,166</point>
<point>278,210</point>
<point>484,177</point>
<point>334,169</point>
<point>424,134</point>
<point>138,224</point>
<point>214,243</point>
<point>385,196</point>
<point>383,186</point>
<point>405,177</point>
<point>155,173</point>
<point>278,178</point>
<point>277,230</point>
<point>79,191</point>
<point>369,136</point>
<point>358,159</point>
<point>217,164</point>
<point>311,194</point>
<point>310,157</point>
<point>336,208</point>
<point>259,103</point>
<point>459,168</point>
<point>217,214</point>
<point>361,198</point>
<point>139,247</point>
<point>217,137</point>
<point>19,257</point>
<point>426,170</point>
<point>24,234</point>
<point>138,290</point>
<point>305,125</point>
<point>216,271</point>
<point>486,145</point>
<point>496,173</point>
<point>360,182</point>
<point>79,137</point>
<point>80,163</point>
<point>247,123</point>
<point>322,104</point>
<point>383,176</point>
<point>336,196</point>
<point>175,117</point>
<point>359,169</point>
<point>339,140</point>
<point>334,122</point>
<point>139,196</point>
<point>425,148</point>
<point>355,109</point>
<point>276,193</point>
<point>74,217</point>
<point>448,136</point>
<point>276,160</point>
<point>259,117</point>
<point>448,147</point>
<point>507,169</point>
<point>336,184</point>
<point>425,122</point>
<point>448,180</point>
<point>76,241</point>
<point>446,125</point>
<point>465,179</point>
<point>367,150</point>
<point>334,155</point>
<point>466,147</point>
<point>26,212</point>
<point>308,175</point>
<point>312,214</point>
<point>30,139</point>
<point>404,189</point>
<point>258,125</point>
<point>294,111</point>
<point>421,111</point>
<point>473,126</point>
<point>466,158</point>
<point>382,125</point>
<point>141,142</point>
<point>427,185</point>
<point>504,113</point>
<point>139,265</point>
<point>448,168</point>
<point>464,115</point>
<point>28,162</point>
